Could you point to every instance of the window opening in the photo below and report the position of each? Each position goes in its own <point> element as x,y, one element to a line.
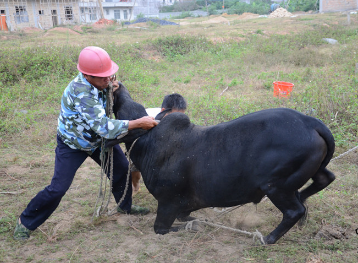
<point>117,14</point>
<point>21,15</point>
<point>68,13</point>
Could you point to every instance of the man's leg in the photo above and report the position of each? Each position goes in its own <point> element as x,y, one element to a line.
<point>46,201</point>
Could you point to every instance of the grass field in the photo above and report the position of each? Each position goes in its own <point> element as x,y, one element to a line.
<point>224,70</point>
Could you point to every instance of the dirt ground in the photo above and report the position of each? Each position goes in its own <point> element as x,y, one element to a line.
<point>70,234</point>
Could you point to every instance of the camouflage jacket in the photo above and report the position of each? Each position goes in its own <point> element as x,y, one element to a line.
<point>82,121</point>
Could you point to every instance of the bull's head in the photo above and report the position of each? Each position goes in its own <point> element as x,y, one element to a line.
<point>125,108</point>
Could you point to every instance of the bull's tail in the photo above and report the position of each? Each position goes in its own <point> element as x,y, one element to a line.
<point>327,136</point>
<point>323,177</point>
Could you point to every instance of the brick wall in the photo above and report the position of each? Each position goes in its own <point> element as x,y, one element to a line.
<point>337,5</point>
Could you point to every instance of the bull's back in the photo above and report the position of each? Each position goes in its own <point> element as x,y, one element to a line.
<point>231,160</point>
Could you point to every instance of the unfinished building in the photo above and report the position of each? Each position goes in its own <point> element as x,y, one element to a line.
<point>45,14</point>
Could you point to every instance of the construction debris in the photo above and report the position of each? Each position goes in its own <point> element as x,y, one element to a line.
<point>280,12</point>
<point>104,21</point>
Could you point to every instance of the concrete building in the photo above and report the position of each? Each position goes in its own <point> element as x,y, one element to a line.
<point>45,14</point>
<point>337,5</point>
<point>120,10</point>
<point>124,10</point>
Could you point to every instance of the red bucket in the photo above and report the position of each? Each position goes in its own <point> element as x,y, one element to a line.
<point>282,89</point>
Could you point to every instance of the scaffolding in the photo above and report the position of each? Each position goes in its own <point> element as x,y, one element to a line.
<point>45,14</point>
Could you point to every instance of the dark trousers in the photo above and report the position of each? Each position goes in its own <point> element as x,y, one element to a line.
<point>66,164</point>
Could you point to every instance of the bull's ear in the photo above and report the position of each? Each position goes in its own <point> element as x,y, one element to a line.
<point>161,115</point>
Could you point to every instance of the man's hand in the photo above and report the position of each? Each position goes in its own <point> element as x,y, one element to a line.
<point>115,85</point>
<point>145,123</point>
<point>114,81</point>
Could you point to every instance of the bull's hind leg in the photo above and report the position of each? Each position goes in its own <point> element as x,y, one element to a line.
<point>320,181</point>
<point>292,210</point>
<point>166,215</point>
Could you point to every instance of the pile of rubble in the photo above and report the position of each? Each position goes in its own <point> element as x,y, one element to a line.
<point>280,12</point>
<point>104,21</point>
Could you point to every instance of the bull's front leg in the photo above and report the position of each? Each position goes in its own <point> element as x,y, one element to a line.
<point>166,214</point>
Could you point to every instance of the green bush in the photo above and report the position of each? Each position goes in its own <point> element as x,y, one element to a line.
<point>256,7</point>
<point>179,7</point>
<point>303,5</point>
<point>35,63</point>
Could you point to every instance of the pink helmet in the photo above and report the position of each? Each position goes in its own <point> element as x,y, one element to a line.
<point>95,61</point>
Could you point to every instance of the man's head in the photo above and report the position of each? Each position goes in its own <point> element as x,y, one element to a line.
<point>96,66</point>
<point>175,102</point>
<point>172,103</point>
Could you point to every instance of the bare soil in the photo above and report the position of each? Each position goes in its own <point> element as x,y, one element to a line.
<point>71,235</point>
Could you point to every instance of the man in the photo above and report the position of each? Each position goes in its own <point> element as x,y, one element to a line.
<point>81,125</point>
<point>171,103</point>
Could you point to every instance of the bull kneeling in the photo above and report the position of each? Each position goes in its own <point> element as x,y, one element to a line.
<point>187,167</point>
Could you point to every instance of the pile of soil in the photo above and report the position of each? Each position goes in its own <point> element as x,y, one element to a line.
<point>60,30</point>
<point>215,20</point>
<point>104,21</point>
<point>248,16</point>
<point>78,28</point>
<point>280,12</point>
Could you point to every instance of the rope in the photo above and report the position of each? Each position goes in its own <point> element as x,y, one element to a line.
<point>226,210</point>
<point>105,163</point>
<point>113,211</point>
<point>345,153</point>
<point>256,234</point>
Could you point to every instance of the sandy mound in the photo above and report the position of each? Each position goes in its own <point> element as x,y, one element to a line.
<point>216,20</point>
<point>61,30</point>
<point>280,12</point>
<point>78,28</point>
<point>213,20</point>
<point>227,15</point>
<point>222,19</point>
<point>248,16</point>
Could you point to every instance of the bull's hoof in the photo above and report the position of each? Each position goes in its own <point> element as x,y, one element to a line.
<point>267,240</point>
<point>263,241</point>
<point>161,231</point>
<point>177,228</point>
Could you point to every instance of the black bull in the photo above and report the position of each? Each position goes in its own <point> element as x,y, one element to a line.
<point>187,167</point>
